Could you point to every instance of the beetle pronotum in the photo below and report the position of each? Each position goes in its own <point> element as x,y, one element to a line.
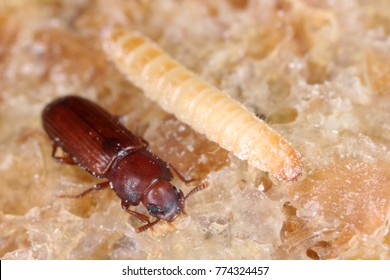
<point>204,107</point>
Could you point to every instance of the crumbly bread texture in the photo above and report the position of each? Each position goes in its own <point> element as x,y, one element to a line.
<point>317,72</point>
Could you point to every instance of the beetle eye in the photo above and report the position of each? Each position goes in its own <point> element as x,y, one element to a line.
<point>153,209</point>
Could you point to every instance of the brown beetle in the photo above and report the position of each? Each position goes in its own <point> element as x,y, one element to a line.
<point>96,141</point>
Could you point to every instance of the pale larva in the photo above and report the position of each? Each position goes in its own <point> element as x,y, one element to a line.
<point>202,106</point>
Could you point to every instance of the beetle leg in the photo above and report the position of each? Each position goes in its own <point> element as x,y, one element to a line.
<point>147,226</point>
<point>66,159</point>
<point>136,214</point>
<point>183,177</point>
<point>96,187</point>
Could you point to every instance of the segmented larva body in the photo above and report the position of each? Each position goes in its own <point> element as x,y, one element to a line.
<point>202,106</point>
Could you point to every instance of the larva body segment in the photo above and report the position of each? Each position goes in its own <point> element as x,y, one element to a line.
<point>204,107</point>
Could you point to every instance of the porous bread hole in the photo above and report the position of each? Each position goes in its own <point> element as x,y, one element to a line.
<point>283,116</point>
<point>264,183</point>
<point>290,226</point>
<point>316,72</point>
<point>291,223</point>
<point>312,254</point>
<point>289,210</point>
<point>318,250</point>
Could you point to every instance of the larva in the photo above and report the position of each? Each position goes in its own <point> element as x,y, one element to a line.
<point>202,106</point>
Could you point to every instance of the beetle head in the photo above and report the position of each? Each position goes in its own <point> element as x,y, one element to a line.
<point>164,201</point>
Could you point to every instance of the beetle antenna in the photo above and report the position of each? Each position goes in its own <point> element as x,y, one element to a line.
<point>196,189</point>
<point>147,226</point>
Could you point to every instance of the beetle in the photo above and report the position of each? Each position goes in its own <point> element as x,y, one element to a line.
<point>95,140</point>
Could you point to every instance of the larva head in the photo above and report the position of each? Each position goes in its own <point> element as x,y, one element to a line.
<point>164,201</point>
